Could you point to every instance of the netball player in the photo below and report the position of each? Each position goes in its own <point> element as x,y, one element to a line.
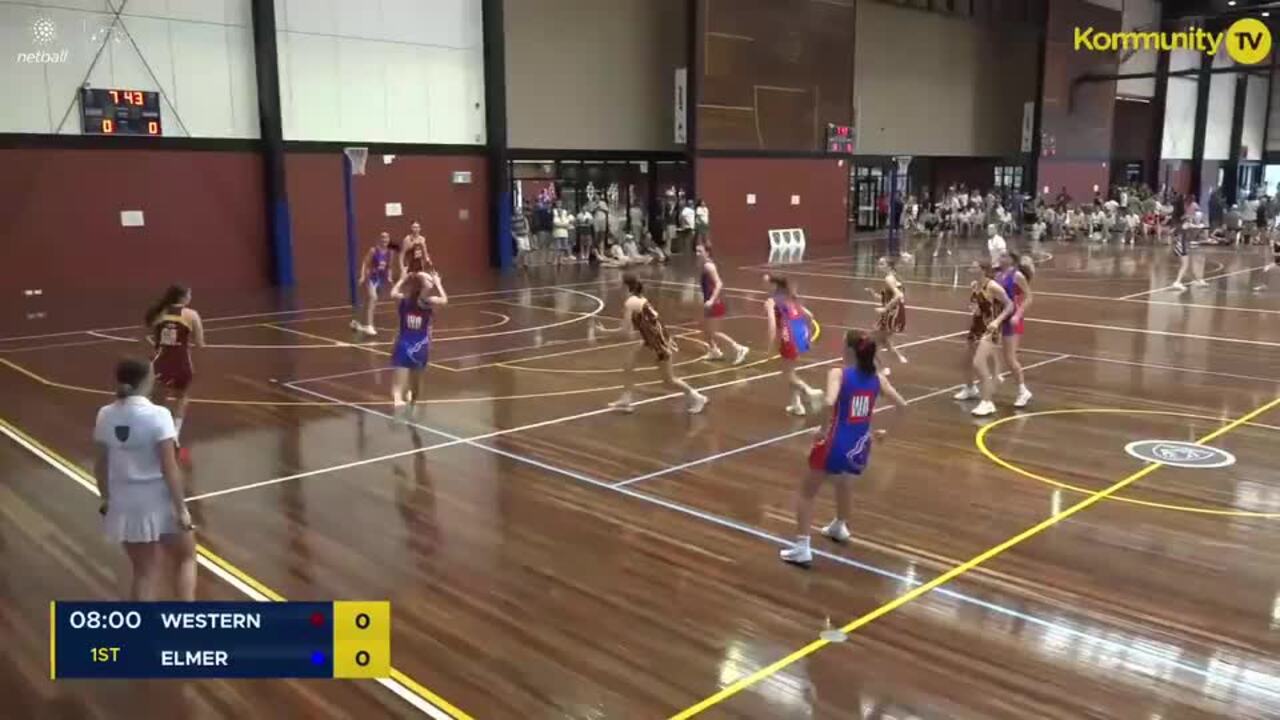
<point>891,316</point>
<point>414,257</point>
<point>990,307</point>
<point>714,310</point>
<point>375,274</point>
<point>640,316</point>
<point>173,329</point>
<point>1015,277</point>
<point>1182,248</point>
<point>138,477</point>
<point>844,447</point>
<point>416,307</point>
<point>790,328</point>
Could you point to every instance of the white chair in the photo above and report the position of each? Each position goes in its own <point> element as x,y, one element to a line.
<point>776,241</point>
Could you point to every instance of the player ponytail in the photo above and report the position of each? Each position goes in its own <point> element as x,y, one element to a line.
<point>1022,267</point>
<point>864,350</point>
<point>174,295</point>
<point>988,270</point>
<point>781,285</point>
<point>130,376</point>
<point>634,286</point>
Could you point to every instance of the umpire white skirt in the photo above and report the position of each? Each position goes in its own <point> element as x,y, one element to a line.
<point>140,512</point>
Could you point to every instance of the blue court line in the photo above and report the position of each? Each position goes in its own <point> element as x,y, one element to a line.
<point>1121,648</point>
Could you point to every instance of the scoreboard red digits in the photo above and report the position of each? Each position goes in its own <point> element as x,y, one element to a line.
<point>841,139</point>
<point>120,112</point>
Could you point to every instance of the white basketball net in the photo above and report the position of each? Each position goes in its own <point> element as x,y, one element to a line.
<point>358,156</point>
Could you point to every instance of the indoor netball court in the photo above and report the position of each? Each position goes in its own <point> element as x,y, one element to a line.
<point>546,557</point>
<point>958,176</point>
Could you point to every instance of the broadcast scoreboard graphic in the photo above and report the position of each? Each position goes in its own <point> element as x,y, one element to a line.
<point>219,640</point>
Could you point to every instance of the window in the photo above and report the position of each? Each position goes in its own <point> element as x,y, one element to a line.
<point>1008,177</point>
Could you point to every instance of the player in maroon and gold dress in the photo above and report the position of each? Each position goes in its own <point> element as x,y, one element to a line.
<point>173,329</point>
<point>414,257</point>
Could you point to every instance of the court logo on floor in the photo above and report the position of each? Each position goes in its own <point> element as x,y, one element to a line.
<point>1180,454</point>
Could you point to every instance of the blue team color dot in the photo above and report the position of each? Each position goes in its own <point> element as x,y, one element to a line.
<point>317,658</point>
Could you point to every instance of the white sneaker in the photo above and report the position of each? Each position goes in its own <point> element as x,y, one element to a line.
<point>797,555</point>
<point>1179,287</point>
<point>1024,397</point>
<point>968,392</point>
<point>698,403</point>
<point>713,355</point>
<point>740,355</point>
<point>985,408</point>
<point>796,409</point>
<point>817,399</point>
<point>838,531</point>
<point>623,404</point>
<point>355,325</point>
<point>369,330</point>
<point>1200,283</point>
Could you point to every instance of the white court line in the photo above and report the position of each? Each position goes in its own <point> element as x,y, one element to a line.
<point>499,433</point>
<point>808,430</point>
<point>1219,276</point>
<point>1030,320</point>
<point>295,312</point>
<point>1049,293</point>
<point>249,591</point>
<point>1125,647</point>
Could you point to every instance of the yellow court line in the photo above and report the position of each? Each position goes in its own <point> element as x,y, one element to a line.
<point>86,480</point>
<point>53,639</point>
<point>382,403</point>
<point>981,441</point>
<point>955,572</point>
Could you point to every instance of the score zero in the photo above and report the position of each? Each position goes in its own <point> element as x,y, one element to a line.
<point>362,622</point>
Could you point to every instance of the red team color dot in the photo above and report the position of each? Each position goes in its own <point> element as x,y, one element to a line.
<point>317,619</point>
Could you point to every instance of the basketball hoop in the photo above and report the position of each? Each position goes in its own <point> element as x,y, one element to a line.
<point>358,156</point>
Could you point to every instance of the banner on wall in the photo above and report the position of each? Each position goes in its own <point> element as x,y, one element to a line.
<point>1028,125</point>
<point>681,105</point>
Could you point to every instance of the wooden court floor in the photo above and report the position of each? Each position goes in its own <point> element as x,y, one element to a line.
<point>546,558</point>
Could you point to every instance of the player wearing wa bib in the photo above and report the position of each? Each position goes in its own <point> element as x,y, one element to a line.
<point>171,335</point>
<point>793,327</point>
<point>413,342</point>
<point>846,446</point>
<point>418,295</point>
<point>714,310</point>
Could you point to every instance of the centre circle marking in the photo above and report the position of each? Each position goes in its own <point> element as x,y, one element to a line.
<point>981,441</point>
<point>1180,454</point>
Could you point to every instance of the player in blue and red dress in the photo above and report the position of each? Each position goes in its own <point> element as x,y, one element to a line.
<point>375,274</point>
<point>173,329</point>
<point>412,347</point>
<point>843,447</point>
<point>714,310</point>
<point>1015,278</point>
<point>790,329</point>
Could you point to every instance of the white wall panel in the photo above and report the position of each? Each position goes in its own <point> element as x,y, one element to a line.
<point>1255,117</point>
<point>381,70</point>
<point>1139,15</point>
<point>197,53</point>
<point>242,72</point>
<point>1180,108</point>
<point>1222,97</point>
<point>21,80</point>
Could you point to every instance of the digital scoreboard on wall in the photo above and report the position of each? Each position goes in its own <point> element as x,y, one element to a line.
<point>219,640</point>
<point>840,139</point>
<point>120,112</point>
